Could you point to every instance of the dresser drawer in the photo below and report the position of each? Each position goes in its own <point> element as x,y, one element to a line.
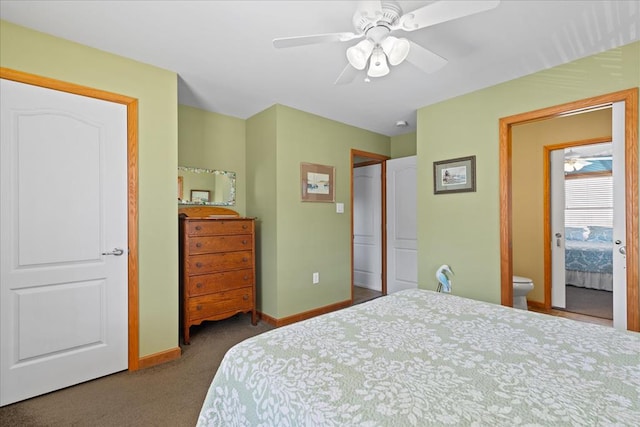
<point>208,228</point>
<point>215,263</point>
<point>220,303</point>
<point>211,244</point>
<point>218,282</point>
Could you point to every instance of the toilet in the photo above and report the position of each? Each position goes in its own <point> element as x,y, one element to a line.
<point>521,287</point>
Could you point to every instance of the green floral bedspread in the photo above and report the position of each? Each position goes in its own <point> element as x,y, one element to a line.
<point>419,358</point>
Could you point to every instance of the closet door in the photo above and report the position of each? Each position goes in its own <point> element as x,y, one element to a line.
<point>402,227</point>
<point>63,240</point>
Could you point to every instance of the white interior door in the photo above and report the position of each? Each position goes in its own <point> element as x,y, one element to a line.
<point>367,227</point>
<point>619,218</point>
<point>63,192</point>
<point>558,276</point>
<point>402,230</point>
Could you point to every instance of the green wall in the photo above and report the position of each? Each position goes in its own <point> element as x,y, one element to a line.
<point>262,196</point>
<point>403,145</point>
<point>213,141</point>
<point>156,90</point>
<point>463,229</point>
<point>306,236</point>
<point>296,238</point>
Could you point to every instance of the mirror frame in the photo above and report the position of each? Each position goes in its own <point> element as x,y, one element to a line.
<point>231,201</point>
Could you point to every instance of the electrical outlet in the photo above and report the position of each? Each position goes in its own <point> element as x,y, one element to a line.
<point>316,278</point>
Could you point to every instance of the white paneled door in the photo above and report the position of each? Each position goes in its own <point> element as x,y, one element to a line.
<point>402,230</point>
<point>619,218</point>
<point>63,240</point>
<point>558,274</point>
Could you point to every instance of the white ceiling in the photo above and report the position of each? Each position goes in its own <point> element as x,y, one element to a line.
<point>226,62</point>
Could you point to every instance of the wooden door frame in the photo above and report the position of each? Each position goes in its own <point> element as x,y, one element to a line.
<point>132,184</point>
<point>630,98</point>
<point>381,160</point>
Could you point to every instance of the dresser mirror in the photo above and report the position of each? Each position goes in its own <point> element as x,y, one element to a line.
<point>207,187</point>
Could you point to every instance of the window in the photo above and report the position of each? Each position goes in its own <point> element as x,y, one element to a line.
<point>589,201</point>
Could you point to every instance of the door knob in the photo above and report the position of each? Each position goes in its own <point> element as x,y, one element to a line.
<point>623,250</point>
<point>115,252</point>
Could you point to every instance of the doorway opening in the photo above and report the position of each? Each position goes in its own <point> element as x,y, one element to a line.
<point>132,179</point>
<point>630,99</point>
<point>581,207</point>
<point>76,281</point>
<point>368,224</point>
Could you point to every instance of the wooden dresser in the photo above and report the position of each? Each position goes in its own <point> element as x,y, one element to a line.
<point>217,253</point>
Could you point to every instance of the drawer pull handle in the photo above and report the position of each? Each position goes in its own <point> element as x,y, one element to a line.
<point>198,285</point>
<point>245,259</point>
<point>198,264</point>
<point>246,277</point>
<point>244,226</point>
<point>198,307</point>
<point>246,297</point>
<point>244,242</point>
<point>198,245</point>
<point>198,228</point>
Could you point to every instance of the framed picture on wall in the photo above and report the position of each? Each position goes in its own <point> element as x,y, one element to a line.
<point>454,175</point>
<point>200,196</point>
<point>317,182</point>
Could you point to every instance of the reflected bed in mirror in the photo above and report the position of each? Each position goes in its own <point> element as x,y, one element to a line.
<point>208,187</point>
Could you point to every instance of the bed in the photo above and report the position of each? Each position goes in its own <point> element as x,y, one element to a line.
<point>589,257</point>
<point>418,358</point>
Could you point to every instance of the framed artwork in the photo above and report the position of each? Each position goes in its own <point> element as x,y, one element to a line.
<point>180,186</point>
<point>317,182</point>
<point>200,196</point>
<point>454,175</point>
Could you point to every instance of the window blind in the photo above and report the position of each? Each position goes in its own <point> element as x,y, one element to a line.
<point>589,201</point>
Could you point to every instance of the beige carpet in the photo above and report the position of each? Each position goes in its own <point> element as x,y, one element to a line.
<point>166,395</point>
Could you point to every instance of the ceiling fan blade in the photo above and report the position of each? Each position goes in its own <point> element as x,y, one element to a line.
<point>443,11</point>
<point>424,59</point>
<point>318,38</point>
<point>346,76</point>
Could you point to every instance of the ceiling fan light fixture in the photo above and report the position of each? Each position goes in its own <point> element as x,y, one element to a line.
<point>378,66</point>
<point>396,49</point>
<point>359,54</point>
<point>575,164</point>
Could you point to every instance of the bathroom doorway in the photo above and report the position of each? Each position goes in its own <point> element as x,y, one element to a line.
<point>509,199</point>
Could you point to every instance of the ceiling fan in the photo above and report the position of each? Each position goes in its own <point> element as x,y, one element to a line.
<point>575,164</point>
<point>573,161</point>
<point>375,21</point>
